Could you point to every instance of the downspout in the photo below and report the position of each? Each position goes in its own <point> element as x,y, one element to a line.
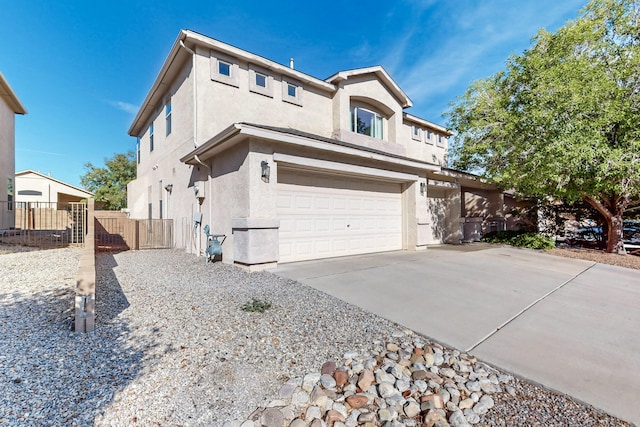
<point>195,93</point>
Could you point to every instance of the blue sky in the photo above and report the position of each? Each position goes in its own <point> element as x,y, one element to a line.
<point>82,68</point>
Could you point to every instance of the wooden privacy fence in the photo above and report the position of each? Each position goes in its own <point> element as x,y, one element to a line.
<point>116,232</point>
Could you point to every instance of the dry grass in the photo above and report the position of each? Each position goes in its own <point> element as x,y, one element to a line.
<point>628,261</point>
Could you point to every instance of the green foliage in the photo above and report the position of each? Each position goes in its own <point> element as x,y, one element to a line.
<point>563,119</point>
<point>256,305</point>
<point>522,239</point>
<point>109,184</point>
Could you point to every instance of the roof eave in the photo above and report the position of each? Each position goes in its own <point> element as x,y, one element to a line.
<point>147,107</point>
<point>252,58</point>
<point>427,123</point>
<point>164,76</point>
<point>238,131</point>
<point>193,157</point>
<point>7,93</point>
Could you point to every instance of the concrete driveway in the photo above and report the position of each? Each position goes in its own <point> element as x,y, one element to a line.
<point>571,325</point>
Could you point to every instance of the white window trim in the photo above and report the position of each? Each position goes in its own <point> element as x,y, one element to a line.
<point>215,60</point>
<point>354,124</point>
<point>168,117</point>
<point>417,137</point>
<point>428,137</point>
<point>254,87</point>
<point>296,100</point>
<point>441,141</point>
<point>152,138</point>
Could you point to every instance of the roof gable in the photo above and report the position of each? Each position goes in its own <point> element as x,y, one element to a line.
<point>40,175</point>
<point>381,75</point>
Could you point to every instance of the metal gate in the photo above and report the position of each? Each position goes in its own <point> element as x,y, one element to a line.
<point>43,224</point>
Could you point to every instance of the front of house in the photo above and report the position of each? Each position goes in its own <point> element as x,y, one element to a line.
<point>290,167</point>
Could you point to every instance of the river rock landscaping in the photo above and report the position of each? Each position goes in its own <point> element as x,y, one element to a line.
<point>173,346</point>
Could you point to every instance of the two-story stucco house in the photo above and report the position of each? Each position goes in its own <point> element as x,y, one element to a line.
<point>288,166</point>
<point>10,105</point>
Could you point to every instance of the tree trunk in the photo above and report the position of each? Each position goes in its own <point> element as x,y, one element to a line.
<point>612,211</point>
<point>615,235</point>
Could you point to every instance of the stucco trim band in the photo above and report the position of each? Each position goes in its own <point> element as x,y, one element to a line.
<point>255,223</point>
<point>343,168</point>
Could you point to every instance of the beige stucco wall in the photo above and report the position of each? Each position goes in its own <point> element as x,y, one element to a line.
<point>7,162</point>
<point>220,104</point>
<point>424,147</point>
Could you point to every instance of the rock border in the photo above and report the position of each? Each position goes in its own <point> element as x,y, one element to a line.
<point>400,384</point>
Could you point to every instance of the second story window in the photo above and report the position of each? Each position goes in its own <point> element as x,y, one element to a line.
<point>138,150</point>
<point>366,122</point>
<point>167,115</point>
<point>261,80</point>
<point>224,68</point>
<point>292,92</point>
<point>151,137</point>
<point>415,133</point>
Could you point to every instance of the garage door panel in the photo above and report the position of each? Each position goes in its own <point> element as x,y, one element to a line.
<point>323,216</point>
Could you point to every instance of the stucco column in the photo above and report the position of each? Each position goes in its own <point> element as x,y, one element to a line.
<point>410,223</point>
<point>454,220</point>
<point>256,236</point>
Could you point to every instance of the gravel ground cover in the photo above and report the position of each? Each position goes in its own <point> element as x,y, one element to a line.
<point>173,346</point>
<point>628,261</point>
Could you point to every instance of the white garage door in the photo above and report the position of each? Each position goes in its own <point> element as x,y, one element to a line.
<point>325,216</point>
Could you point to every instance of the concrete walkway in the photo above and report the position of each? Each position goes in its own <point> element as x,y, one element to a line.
<point>571,325</point>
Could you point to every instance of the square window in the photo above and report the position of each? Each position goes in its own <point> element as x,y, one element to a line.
<point>292,92</point>
<point>224,68</point>
<point>261,80</point>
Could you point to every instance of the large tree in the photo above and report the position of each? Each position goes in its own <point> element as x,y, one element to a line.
<point>109,184</point>
<point>563,119</point>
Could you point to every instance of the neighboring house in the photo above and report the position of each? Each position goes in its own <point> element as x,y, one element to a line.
<point>291,167</point>
<point>10,105</point>
<point>45,191</point>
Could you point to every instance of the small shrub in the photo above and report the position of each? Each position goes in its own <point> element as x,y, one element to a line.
<point>256,306</point>
<point>522,239</point>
